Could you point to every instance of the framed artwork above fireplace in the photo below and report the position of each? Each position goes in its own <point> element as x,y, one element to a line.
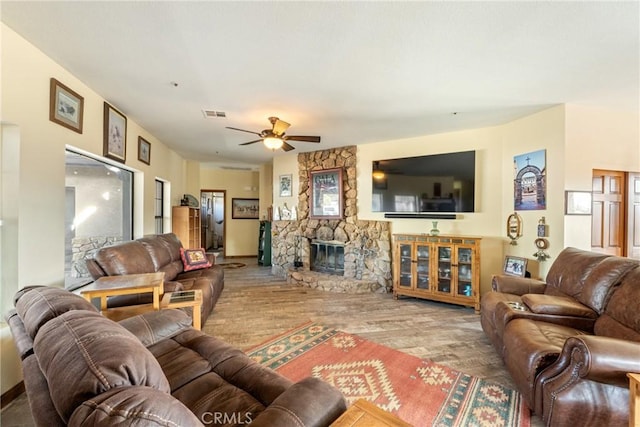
<point>326,196</point>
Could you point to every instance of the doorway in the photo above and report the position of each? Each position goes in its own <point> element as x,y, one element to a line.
<point>615,220</point>
<point>212,210</point>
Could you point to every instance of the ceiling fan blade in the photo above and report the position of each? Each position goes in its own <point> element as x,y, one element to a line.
<point>280,127</point>
<point>287,147</point>
<point>251,142</point>
<point>243,130</point>
<point>302,138</point>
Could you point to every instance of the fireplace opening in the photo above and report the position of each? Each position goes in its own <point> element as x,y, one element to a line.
<point>327,257</point>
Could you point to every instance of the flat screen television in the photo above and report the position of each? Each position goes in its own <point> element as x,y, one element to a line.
<point>431,183</point>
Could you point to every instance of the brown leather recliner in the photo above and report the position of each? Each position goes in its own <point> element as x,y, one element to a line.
<point>82,369</point>
<point>151,254</point>
<point>551,335</point>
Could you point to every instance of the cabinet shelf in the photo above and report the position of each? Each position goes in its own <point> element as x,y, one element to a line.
<point>439,268</point>
<point>264,243</point>
<point>185,223</point>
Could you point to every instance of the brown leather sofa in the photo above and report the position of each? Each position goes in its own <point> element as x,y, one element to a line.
<point>569,341</point>
<point>82,369</point>
<point>151,254</point>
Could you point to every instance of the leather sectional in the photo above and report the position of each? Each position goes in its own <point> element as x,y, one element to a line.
<point>568,342</point>
<point>154,369</point>
<point>157,253</point>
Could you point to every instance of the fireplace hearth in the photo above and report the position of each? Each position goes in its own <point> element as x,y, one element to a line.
<point>327,257</point>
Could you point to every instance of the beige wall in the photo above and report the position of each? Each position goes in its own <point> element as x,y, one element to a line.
<point>576,139</point>
<point>36,232</point>
<point>241,235</point>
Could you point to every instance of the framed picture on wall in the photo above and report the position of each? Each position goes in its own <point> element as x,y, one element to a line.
<point>66,107</point>
<point>244,208</point>
<point>144,150</point>
<point>326,194</point>
<point>285,185</point>
<point>577,202</point>
<point>115,134</point>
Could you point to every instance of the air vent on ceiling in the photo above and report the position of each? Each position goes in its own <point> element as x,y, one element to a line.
<point>211,114</point>
<point>236,168</point>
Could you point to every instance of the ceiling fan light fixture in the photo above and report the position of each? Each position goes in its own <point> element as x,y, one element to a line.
<point>377,173</point>
<point>273,143</point>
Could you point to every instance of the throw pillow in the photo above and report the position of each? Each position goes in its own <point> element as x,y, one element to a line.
<point>194,259</point>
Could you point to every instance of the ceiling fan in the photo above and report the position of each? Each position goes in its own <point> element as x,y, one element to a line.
<point>275,137</point>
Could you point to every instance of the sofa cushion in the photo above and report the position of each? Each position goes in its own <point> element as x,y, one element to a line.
<point>569,271</point>
<point>620,318</point>
<point>41,304</point>
<point>159,251</point>
<point>603,279</point>
<point>194,259</point>
<point>557,305</point>
<point>126,258</point>
<point>83,354</point>
<point>529,347</point>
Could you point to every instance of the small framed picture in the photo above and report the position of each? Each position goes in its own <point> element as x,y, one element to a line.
<point>66,107</point>
<point>144,150</point>
<point>577,202</point>
<point>115,134</point>
<point>515,266</point>
<point>285,185</point>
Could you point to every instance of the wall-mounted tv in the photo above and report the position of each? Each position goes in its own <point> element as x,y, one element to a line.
<point>431,183</point>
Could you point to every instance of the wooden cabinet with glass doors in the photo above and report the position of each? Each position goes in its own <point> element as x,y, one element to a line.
<point>439,268</point>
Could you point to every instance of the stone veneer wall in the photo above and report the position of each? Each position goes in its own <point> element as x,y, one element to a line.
<point>83,248</point>
<point>367,243</point>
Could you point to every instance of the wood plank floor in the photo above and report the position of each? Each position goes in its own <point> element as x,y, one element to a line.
<point>256,306</point>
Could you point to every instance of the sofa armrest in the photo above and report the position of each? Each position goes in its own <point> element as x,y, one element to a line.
<point>517,285</point>
<point>154,326</point>
<point>603,359</point>
<point>309,402</point>
<point>136,405</point>
<point>584,358</point>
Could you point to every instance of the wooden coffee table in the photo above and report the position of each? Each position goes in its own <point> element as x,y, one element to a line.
<point>365,414</point>
<point>181,299</point>
<point>109,286</point>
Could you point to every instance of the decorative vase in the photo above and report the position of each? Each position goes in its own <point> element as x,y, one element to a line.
<point>434,231</point>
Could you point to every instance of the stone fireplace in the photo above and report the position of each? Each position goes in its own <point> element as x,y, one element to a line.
<point>365,246</point>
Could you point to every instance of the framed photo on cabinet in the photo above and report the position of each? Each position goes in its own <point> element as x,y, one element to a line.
<point>115,134</point>
<point>515,266</point>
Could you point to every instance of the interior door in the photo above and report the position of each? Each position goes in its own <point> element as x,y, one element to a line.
<point>633,218</point>
<point>608,226</point>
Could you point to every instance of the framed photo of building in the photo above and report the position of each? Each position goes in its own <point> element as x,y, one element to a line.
<point>530,181</point>
<point>66,107</point>
<point>325,201</point>
<point>115,134</point>
<point>245,208</point>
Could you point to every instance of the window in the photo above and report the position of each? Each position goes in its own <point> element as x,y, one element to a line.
<point>159,207</point>
<point>99,208</point>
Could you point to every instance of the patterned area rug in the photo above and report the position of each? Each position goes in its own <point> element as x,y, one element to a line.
<point>419,391</point>
<point>231,265</point>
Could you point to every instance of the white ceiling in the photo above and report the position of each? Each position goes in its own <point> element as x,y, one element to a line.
<point>351,72</point>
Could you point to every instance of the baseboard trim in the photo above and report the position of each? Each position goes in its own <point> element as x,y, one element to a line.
<point>11,394</point>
